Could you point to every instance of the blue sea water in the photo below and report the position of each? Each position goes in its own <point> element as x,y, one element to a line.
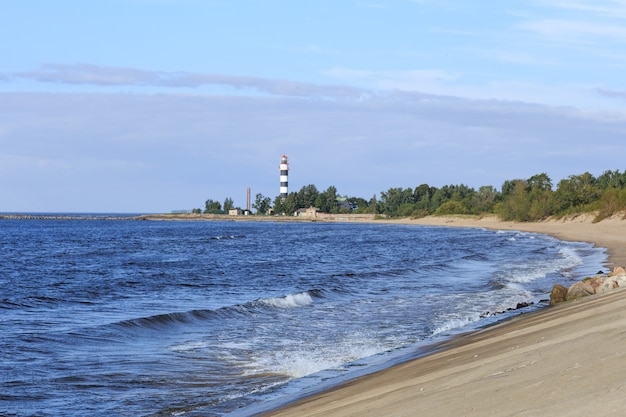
<point>182,318</point>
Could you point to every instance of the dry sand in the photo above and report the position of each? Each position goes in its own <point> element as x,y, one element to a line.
<point>567,360</point>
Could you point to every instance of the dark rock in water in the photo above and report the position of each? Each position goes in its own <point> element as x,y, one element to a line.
<point>517,307</point>
<point>558,294</point>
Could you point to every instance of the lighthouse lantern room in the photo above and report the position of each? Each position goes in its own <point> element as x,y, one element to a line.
<point>284,174</point>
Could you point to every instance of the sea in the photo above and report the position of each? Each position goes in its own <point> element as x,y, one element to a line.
<point>110,317</point>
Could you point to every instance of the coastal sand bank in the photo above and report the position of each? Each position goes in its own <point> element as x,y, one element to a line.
<point>566,360</point>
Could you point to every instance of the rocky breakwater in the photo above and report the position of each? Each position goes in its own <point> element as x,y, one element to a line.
<point>597,284</point>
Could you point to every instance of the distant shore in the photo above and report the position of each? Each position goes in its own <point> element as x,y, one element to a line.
<point>566,360</point>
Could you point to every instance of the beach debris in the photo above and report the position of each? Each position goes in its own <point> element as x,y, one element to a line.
<point>598,284</point>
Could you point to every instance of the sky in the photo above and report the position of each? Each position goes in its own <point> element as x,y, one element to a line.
<point>149,106</point>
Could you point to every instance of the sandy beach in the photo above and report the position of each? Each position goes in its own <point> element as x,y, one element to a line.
<point>566,360</point>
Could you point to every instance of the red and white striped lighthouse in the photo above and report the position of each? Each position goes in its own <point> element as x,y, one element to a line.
<point>284,176</point>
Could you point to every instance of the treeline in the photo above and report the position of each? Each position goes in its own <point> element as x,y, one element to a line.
<point>520,200</point>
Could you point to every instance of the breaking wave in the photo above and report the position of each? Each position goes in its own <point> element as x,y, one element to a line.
<point>161,321</point>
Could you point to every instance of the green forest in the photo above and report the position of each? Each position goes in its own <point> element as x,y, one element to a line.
<point>521,200</point>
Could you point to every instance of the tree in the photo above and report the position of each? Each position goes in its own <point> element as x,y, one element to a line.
<point>540,196</point>
<point>228,204</point>
<point>261,204</point>
<point>509,187</point>
<point>392,199</point>
<point>451,207</point>
<point>540,182</point>
<point>406,210</point>
<point>307,196</point>
<point>484,200</point>
<point>611,179</point>
<point>327,201</point>
<point>461,192</point>
<point>612,201</point>
<point>422,198</point>
<point>286,205</point>
<point>372,207</point>
<point>439,197</point>
<point>211,206</point>
<point>576,191</point>
<point>516,205</point>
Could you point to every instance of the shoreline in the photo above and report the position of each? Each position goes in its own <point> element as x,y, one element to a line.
<point>609,233</point>
<point>564,360</point>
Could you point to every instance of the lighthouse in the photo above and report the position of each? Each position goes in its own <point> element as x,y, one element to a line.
<point>284,174</point>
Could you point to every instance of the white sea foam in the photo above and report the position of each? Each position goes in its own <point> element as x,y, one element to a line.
<point>571,257</point>
<point>297,364</point>
<point>455,323</point>
<point>297,359</point>
<point>530,273</point>
<point>289,301</point>
<point>532,270</point>
<point>188,346</point>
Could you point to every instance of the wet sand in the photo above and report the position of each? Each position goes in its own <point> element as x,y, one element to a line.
<point>566,360</point>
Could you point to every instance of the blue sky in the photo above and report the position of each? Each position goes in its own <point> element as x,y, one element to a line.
<point>157,105</point>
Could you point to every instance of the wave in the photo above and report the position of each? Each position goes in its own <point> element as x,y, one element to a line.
<point>227,237</point>
<point>532,270</point>
<point>386,271</point>
<point>565,260</point>
<point>289,301</point>
<point>13,305</point>
<point>571,256</point>
<point>456,323</point>
<point>298,358</point>
<point>161,321</point>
